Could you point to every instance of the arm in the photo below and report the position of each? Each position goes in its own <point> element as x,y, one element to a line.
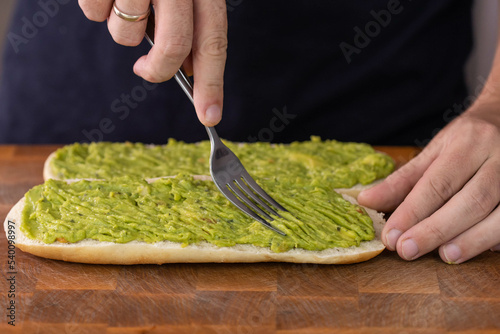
<point>192,33</point>
<point>448,196</point>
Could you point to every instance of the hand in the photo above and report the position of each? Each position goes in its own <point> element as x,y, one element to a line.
<point>448,195</point>
<point>192,33</point>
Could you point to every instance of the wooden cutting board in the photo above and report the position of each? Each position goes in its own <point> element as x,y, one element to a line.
<point>383,295</point>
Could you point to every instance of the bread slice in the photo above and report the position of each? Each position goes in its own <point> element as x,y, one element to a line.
<point>136,252</point>
<point>47,170</point>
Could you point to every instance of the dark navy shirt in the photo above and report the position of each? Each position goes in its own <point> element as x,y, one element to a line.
<point>380,71</point>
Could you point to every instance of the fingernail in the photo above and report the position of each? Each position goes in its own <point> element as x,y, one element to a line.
<point>496,248</point>
<point>391,238</point>
<point>361,196</point>
<point>213,114</point>
<point>409,249</point>
<point>452,253</point>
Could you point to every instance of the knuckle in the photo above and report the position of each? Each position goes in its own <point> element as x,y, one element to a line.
<point>94,11</point>
<point>480,243</point>
<point>473,206</point>
<point>214,85</point>
<point>156,77</point>
<point>413,215</point>
<point>126,39</point>
<point>483,194</point>
<point>436,233</point>
<point>215,45</point>
<point>146,75</point>
<point>442,187</point>
<point>400,176</point>
<point>481,202</point>
<point>407,214</point>
<point>176,48</point>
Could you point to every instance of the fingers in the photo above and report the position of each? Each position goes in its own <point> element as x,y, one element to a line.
<point>173,41</point>
<point>454,205</point>
<point>125,32</point>
<point>471,206</point>
<point>447,194</point>
<point>193,33</point>
<point>482,236</point>
<point>96,10</point>
<point>439,183</point>
<point>387,195</point>
<point>209,58</point>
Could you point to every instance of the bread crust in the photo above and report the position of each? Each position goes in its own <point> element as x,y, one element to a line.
<point>136,252</point>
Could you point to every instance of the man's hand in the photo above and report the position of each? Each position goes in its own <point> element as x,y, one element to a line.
<point>192,33</point>
<point>448,195</point>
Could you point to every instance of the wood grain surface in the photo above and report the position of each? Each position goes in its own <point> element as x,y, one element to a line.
<point>383,295</point>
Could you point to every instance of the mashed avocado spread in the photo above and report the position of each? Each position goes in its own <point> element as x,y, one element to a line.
<point>330,163</point>
<point>122,207</point>
<point>188,211</point>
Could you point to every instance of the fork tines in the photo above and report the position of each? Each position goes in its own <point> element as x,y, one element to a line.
<point>249,197</point>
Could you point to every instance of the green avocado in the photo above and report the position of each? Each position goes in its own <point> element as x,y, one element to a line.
<point>188,211</point>
<point>330,163</point>
<point>123,207</point>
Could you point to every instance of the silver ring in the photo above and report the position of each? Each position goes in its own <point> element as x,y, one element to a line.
<point>128,17</point>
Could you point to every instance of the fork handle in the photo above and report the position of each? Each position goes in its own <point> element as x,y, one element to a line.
<point>187,86</point>
<point>185,83</point>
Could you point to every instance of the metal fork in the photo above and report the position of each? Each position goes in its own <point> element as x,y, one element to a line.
<point>226,169</point>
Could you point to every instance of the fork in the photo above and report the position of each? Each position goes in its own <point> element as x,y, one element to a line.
<point>228,173</point>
